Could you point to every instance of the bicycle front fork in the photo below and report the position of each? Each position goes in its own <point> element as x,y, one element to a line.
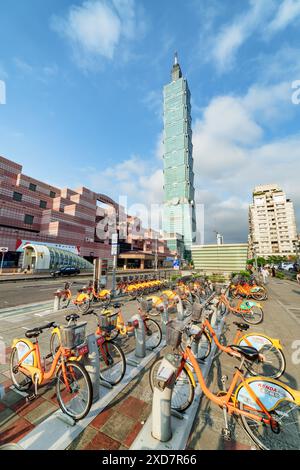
<point>226,432</point>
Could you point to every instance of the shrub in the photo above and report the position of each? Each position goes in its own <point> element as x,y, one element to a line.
<point>280,275</point>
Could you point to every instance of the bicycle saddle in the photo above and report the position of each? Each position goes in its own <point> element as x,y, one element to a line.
<point>35,332</point>
<point>72,317</point>
<point>247,351</point>
<point>117,305</point>
<point>242,326</point>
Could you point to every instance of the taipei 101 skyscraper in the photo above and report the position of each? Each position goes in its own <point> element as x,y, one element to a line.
<point>179,193</point>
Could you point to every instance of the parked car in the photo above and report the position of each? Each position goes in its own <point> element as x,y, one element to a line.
<point>65,271</point>
<point>289,266</point>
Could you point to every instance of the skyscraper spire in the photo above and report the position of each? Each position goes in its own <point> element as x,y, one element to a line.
<point>176,70</point>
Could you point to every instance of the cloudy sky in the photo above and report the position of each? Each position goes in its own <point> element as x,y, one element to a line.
<point>84,86</point>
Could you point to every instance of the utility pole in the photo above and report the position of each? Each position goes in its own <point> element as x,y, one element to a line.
<point>114,252</point>
<point>3,250</point>
<point>156,254</point>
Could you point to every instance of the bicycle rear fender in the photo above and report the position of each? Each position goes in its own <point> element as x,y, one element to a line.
<point>258,340</point>
<point>269,391</point>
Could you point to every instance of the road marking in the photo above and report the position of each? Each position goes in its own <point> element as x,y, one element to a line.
<point>288,310</point>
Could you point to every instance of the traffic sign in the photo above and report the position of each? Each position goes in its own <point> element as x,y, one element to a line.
<point>3,249</point>
<point>114,244</point>
<point>176,264</point>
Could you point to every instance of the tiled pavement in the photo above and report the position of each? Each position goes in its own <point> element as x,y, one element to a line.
<point>278,323</point>
<point>118,425</point>
<point>114,428</point>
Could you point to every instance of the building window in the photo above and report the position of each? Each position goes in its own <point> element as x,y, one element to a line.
<point>17,196</point>
<point>52,194</point>
<point>32,187</point>
<point>43,204</point>
<point>28,219</point>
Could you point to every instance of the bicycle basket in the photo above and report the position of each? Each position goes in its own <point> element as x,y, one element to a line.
<point>196,312</point>
<point>73,335</point>
<point>174,333</point>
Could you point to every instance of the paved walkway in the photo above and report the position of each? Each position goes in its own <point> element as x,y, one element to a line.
<point>120,423</point>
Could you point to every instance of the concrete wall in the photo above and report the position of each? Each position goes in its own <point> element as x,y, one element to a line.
<point>220,258</point>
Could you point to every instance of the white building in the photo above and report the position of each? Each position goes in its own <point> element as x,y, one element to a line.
<point>272,223</point>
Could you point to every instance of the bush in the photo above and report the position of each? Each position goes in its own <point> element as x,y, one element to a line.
<point>174,277</point>
<point>280,275</point>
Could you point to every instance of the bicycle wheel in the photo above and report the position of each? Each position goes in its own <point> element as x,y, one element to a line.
<point>183,391</point>
<point>153,334</point>
<point>222,309</point>
<point>273,365</point>
<point>287,414</point>
<point>253,316</point>
<point>259,295</point>
<point>84,306</point>
<point>204,346</point>
<point>75,397</point>
<point>64,302</point>
<point>188,308</point>
<point>20,380</point>
<point>54,343</point>
<point>112,363</point>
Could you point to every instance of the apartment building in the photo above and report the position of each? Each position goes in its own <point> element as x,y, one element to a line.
<point>272,223</point>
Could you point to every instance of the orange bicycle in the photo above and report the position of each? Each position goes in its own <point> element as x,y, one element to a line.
<point>81,301</point>
<point>73,385</point>
<point>269,410</point>
<point>153,333</point>
<point>250,311</point>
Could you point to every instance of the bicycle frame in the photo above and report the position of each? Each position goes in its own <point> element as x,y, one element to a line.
<point>228,400</point>
<point>223,300</point>
<point>238,336</point>
<point>38,369</point>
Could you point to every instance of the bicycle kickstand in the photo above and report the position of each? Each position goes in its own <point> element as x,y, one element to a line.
<point>226,432</point>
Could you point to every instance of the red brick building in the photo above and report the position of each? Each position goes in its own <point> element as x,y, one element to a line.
<point>31,210</point>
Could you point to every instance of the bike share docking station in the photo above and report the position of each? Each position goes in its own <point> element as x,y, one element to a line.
<point>166,429</point>
<point>58,431</point>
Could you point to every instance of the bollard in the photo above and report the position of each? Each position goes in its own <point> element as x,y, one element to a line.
<point>180,311</point>
<point>140,340</point>
<point>162,396</point>
<point>92,364</point>
<point>57,298</point>
<point>164,317</point>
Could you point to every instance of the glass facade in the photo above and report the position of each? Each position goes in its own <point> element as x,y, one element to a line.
<point>179,193</point>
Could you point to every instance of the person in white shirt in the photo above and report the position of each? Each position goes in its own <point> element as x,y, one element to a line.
<point>265,274</point>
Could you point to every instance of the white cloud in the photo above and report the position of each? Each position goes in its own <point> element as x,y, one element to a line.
<point>229,161</point>
<point>287,13</point>
<point>97,29</point>
<point>232,36</point>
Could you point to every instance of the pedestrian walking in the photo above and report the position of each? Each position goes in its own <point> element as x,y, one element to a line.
<point>273,271</point>
<point>298,277</point>
<point>265,274</point>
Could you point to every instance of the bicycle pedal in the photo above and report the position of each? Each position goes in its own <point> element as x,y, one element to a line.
<point>31,397</point>
<point>226,434</point>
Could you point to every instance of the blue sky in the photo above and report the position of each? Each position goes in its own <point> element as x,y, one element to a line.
<point>84,96</point>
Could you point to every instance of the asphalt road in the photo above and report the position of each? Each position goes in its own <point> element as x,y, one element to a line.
<point>17,293</point>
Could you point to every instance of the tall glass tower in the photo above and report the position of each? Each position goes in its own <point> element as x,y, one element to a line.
<point>179,205</point>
